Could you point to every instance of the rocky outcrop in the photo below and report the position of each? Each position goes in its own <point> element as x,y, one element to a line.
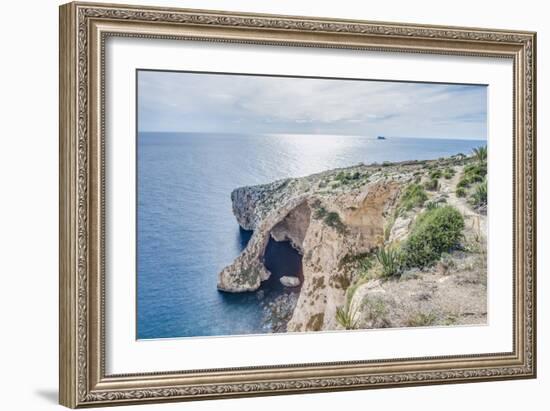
<point>251,204</point>
<point>333,220</point>
<point>248,270</point>
<point>325,218</point>
<point>359,230</point>
<point>290,281</point>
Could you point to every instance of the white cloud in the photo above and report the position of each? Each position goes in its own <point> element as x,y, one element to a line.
<point>239,103</point>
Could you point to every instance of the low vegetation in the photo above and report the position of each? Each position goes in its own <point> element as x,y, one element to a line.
<point>480,154</point>
<point>320,211</point>
<point>448,173</point>
<point>346,317</point>
<point>388,258</point>
<point>364,265</point>
<point>475,172</point>
<point>421,320</point>
<point>435,174</point>
<point>479,195</point>
<point>430,205</point>
<point>431,185</point>
<point>435,231</point>
<point>413,196</point>
<point>389,224</point>
<point>375,312</point>
<point>351,259</point>
<point>331,218</point>
<point>346,178</point>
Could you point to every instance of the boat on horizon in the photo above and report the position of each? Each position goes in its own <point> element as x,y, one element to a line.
<point>380,138</point>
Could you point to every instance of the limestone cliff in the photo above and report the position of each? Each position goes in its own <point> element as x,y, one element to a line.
<point>331,219</point>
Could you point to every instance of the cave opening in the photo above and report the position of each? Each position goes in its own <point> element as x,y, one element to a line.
<point>282,259</point>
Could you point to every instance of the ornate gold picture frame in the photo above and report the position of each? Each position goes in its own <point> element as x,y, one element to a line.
<point>84,30</point>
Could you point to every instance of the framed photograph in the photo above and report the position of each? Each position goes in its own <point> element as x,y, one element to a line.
<point>259,204</point>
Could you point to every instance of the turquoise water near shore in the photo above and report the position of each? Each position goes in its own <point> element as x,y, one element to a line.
<point>186,232</point>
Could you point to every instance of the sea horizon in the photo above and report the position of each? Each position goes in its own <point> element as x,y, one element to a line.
<point>266,134</point>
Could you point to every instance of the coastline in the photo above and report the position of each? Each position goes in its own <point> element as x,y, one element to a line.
<point>189,234</point>
<point>339,218</point>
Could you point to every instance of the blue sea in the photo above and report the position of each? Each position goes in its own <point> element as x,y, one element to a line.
<point>186,232</point>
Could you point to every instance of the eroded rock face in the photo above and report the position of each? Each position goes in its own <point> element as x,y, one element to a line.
<point>324,224</point>
<point>335,220</point>
<point>248,270</point>
<point>250,203</point>
<point>325,247</point>
<point>294,227</point>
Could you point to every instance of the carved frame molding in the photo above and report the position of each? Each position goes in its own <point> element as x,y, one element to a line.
<point>84,27</point>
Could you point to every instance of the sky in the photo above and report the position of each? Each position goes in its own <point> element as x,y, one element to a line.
<point>195,102</point>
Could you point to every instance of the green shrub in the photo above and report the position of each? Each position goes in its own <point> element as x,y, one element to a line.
<point>320,212</point>
<point>435,174</point>
<point>479,196</point>
<point>480,153</point>
<point>431,185</point>
<point>364,265</point>
<point>430,205</point>
<point>346,317</point>
<point>375,312</point>
<point>434,232</point>
<point>421,320</point>
<point>461,192</point>
<point>413,196</point>
<point>389,225</point>
<point>389,260</point>
<point>448,173</point>
<point>463,183</point>
<point>346,178</point>
<point>353,259</point>
<point>340,176</point>
<point>476,172</point>
<point>473,173</point>
<point>332,219</point>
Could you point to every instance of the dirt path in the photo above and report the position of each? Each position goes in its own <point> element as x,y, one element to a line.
<point>475,224</point>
